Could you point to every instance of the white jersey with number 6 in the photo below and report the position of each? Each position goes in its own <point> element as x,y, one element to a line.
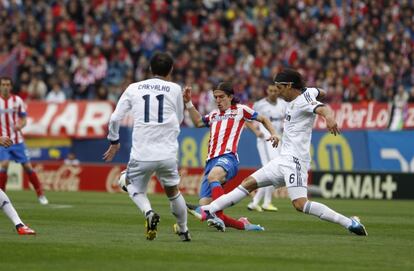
<point>299,119</point>
<point>157,108</point>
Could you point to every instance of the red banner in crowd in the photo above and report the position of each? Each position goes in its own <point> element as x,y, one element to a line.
<point>104,178</point>
<point>90,119</point>
<point>70,119</point>
<point>356,116</point>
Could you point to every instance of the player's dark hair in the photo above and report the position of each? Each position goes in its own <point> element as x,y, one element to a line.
<point>161,63</point>
<point>227,87</point>
<point>287,76</point>
<point>6,78</point>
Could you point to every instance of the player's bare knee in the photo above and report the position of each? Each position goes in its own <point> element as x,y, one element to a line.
<point>298,205</point>
<point>249,184</point>
<point>171,191</point>
<point>217,174</point>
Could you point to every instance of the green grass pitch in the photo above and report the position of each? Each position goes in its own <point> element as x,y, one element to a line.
<point>100,231</point>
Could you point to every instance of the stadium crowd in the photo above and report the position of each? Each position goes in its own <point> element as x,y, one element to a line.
<point>70,49</point>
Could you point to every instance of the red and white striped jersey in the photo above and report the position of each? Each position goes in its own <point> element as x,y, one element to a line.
<point>225,129</point>
<point>11,109</point>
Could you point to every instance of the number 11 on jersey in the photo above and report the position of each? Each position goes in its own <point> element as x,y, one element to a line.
<point>160,99</point>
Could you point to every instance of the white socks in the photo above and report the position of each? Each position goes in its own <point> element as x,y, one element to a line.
<point>139,198</point>
<point>264,192</point>
<point>268,194</point>
<point>8,208</point>
<point>179,210</point>
<point>259,195</point>
<point>227,200</point>
<point>324,212</point>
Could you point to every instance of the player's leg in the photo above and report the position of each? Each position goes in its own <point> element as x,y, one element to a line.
<point>270,153</point>
<point>34,180</point>
<point>167,173</point>
<point>18,154</point>
<point>4,164</point>
<point>267,201</point>
<point>225,168</point>
<point>8,209</point>
<point>265,176</point>
<point>264,159</point>
<point>137,178</point>
<point>216,178</point>
<point>296,180</point>
<point>254,204</point>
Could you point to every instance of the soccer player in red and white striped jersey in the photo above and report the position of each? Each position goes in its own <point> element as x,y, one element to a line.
<point>226,124</point>
<point>12,120</point>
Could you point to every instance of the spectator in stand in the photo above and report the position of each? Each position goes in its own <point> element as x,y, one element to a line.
<point>97,64</point>
<point>367,45</point>
<point>56,94</point>
<point>37,88</point>
<point>84,82</point>
<point>411,97</point>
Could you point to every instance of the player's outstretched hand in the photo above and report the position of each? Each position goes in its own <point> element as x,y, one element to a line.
<point>5,141</point>
<point>187,94</point>
<point>274,140</point>
<point>110,153</point>
<point>332,126</point>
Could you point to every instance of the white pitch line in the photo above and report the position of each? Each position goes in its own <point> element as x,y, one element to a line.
<point>59,206</point>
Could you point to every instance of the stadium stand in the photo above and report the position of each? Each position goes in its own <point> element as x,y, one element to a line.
<point>357,50</point>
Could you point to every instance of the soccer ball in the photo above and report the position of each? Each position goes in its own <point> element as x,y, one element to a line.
<point>122,181</point>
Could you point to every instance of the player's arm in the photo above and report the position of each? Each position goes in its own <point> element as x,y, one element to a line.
<point>254,128</point>
<point>5,141</point>
<point>327,114</point>
<point>321,94</point>
<point>195,116</point>
<point>22,119</point>
<point>121,110</point>
<point>268,125</point>
<point>21,122</point>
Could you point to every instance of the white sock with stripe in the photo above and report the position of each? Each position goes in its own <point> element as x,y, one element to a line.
<point>139,198</point>
<point>179,210</point>
<point>8,208</point>
<point>325,213</point>
<point>228,199</point>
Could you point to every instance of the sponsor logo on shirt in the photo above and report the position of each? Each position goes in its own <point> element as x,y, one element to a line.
<point>225,117</point>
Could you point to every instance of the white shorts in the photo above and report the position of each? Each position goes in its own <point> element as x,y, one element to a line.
<point>139,173</point>
<point>287,171</point>
<point>266,151</point>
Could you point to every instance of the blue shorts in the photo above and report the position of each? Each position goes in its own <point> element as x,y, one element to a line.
<point>228,162</point>
<point>16,152</point>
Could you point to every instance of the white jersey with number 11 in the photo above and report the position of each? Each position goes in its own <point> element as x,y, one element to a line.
<point>157,108</point>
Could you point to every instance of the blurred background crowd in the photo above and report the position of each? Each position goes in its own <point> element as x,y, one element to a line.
<point>359,51</point>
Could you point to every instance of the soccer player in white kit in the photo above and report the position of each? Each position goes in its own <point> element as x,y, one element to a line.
<point>7,206</point>
<point>290,169</point>
<point>158,109</point>
<point>274,109</point>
